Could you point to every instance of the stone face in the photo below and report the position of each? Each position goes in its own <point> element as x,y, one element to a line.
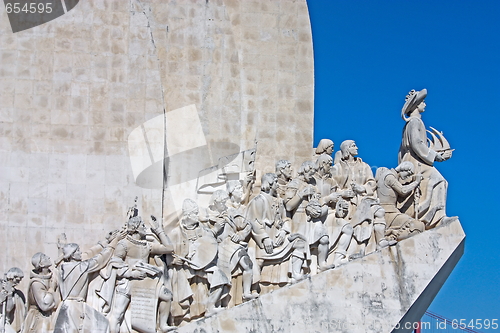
<point>74,89</point>
<point>371,294</point>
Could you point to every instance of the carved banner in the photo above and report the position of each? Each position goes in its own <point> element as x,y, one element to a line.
<point>143,305</point>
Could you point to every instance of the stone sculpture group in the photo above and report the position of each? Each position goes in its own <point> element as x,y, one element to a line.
<point>241,246</point>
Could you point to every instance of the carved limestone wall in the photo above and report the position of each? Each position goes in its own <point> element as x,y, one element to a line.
<point>75,88</point>
<point>202,111</point>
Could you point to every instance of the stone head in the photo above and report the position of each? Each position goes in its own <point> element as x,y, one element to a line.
<point>325,146</point>
<point>341,208</point>
<point>218,200</point>
<point>269,182</point>
<point>284,168</point>
<point>414,101</point>
<point>348,148</point>
<point>190,211</point>
<point>71,251</point>
<point>136,225</point>
<point>40,260</point>
<point>234,188</point>
<point>405,170</point>
<point>324,163</point>
<point>307,170</point>
<point>15,275</point>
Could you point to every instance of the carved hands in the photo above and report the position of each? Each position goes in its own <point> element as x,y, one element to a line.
<point>177,261</point>
<point>250,179</point>
<point>53,285</point>
<point>220,221</point>
<point>358,189</point>
<point>236,238</point>
<point>121,234</point>
<point>112,235</point>
<point>314,210</point>
<point>219,224</point>
<point>61,241</point>
<point>8,287</point>
<point>444,155</point>
<point>306,192</point>
<point>155,224</point>
<point>280,238</point>
<point>348,194</point>
<point>135,274</point>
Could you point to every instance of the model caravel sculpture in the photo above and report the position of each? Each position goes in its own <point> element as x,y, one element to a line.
<point>242,245</point>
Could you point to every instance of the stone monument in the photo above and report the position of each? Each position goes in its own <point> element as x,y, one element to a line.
<point>199,112</point>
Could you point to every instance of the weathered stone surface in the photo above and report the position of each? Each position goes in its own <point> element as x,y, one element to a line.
<point>118,99</point>
<point>75,88</point>
<point>371,294</point>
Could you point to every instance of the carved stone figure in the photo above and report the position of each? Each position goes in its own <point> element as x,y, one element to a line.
<point>343,230</point>
<point>102,283</point>
<point>339,231</point>
<point>308,216</point>
<point>238,195</point>
<point>299,193</point>
<point>43,296</point>
<point>13,302</point>
<point>276,244</point>
<point>198,284</point>
<point>284,173</point>
<point>389,189</point>
<point>325,146</point>
<point>232,232</point>
<point>366,215</point>
<point>141,281</point>
<point>247,186</point>
<point>73,314</point>
<point>238,199</point>
<point>431,206</point>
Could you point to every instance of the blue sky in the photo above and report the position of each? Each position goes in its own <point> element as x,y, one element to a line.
<point>368,55</point>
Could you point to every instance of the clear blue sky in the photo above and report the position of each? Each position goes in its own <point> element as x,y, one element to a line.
<point>368,55</point>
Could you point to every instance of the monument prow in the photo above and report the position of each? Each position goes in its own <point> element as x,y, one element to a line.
<point>386,291</point>
<point>168,109</point>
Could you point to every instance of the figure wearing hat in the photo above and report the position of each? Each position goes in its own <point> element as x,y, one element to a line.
<point>430,207</point>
